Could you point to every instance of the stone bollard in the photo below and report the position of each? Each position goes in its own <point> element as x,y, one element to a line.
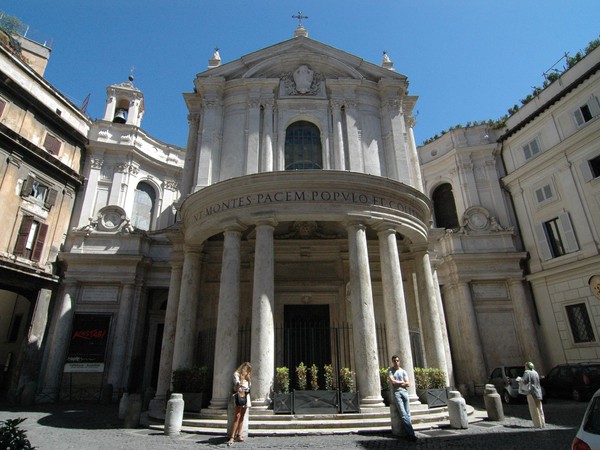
<point>174,415</point>
<point>123,405</point>
<point>457,410</point>
<point>493,404</point>
<point>133,411</point>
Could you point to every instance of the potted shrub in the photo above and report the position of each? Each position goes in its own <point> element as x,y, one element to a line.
<point>283,399</point>
<point>431,386</point>
<point>314,377</point>
<point>349,398</point>
<point>313,401</point>
<point>328,374</point>
<point>301,376</point>
<point>385,385</point>
<point>192,382</point>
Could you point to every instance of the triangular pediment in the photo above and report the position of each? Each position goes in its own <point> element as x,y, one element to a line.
<point>286,56</point>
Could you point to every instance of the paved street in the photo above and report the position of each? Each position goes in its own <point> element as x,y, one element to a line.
<point>86,426</point>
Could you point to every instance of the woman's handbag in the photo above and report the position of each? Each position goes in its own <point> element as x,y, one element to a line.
<point>240,398</point>
<point>524,388</point>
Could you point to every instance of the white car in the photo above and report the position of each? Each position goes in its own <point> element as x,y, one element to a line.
<point>588,436</point>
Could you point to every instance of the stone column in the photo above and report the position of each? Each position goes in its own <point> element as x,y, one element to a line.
<point>263,328</point>
<point>338,137</point>
<point>120,340</point>
<point>432,332</point>
<point>464,334</point>
<point>443,326</point>
<point>524,319</point>
<point>165,370</point>
<point>57,345</point>
<point>228,318</point>
<point>185,334</point>
<point>363,318</point>
<point>191,154</point>
<point>414,157</point>
<point>394,304</point>
<point>267,145</point>
<point>253,137</point>
<point>29,358</point>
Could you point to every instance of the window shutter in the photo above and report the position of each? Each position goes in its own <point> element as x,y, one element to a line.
<point>22,236</point>
<point>542,242</point>
<point>594,107</point>
<point>568,232</point>
<point>586,171</point>
<point>39,242</point>
<point>51,198</point>
<point>52,144</point>
<point>579,119</point>
<point>27,186</point>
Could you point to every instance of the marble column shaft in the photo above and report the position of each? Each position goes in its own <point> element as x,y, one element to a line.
<point>57,345</point>
<point>464,334</point>
<point>339,153</point>
<point>165,371</point>
<point>228,318</point>
<point>120,340</point>
<point>394,304</point>
<point>524,319</point>
<point>263,328</point>
<point>185,334</point>
<point>432,332</point>
<point>363,318</point>
<point>267,144</point>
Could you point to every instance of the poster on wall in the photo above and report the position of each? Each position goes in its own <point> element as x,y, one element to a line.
<point>88,343</point>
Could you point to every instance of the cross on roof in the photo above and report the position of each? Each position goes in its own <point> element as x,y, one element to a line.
<point>300,16</point>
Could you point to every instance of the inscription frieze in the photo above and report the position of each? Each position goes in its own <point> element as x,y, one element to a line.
<point>314,196</point>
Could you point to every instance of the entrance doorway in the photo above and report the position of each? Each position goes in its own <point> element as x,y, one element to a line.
<point>306,338</point>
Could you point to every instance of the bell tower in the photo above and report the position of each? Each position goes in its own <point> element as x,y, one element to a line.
<point>124,104</point>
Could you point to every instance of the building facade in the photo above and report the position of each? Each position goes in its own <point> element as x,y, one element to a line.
<point>551,150</point>
<point>42,146</point>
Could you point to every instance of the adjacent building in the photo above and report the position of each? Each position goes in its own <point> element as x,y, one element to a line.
<point>43,138</point>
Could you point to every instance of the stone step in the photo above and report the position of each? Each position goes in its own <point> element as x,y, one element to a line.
<point>268,424</point>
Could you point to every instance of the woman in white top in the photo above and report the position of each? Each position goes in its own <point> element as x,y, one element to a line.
<point>241,386</point>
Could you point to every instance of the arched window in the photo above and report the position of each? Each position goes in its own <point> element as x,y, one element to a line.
<point>143,206</point>
<point>444,208</point>
<point>303,147</point>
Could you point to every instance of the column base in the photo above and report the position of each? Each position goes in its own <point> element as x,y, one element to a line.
<point>375,401</point>
<point>218,403</point>
<point>156,408</point>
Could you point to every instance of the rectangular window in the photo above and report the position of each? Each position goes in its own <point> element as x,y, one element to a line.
<point>30,240</point>
<point>544,193</point>
<point>52,144</point>
<point>595,166</point>
<point>531,149</point>
<point>586,112</point>
<point>556,237</point>
<point>39,191</point>
<point>579,320</point>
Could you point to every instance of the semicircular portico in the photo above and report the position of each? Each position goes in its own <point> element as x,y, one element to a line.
<point>306,195</point>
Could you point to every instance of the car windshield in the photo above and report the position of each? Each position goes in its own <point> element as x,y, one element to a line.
<point>514,372</point>
<point>592,423</point>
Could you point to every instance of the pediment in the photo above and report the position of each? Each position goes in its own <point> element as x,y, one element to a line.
<point>287,56</point>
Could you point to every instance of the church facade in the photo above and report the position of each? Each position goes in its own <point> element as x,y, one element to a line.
<point>301,223</point>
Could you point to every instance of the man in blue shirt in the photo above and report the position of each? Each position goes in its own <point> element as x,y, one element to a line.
<point>399,382</point>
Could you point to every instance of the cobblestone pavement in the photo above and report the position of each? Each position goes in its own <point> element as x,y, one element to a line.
<point>92,426</point>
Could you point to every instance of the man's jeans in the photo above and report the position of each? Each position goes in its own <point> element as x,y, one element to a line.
<point>403,405</point>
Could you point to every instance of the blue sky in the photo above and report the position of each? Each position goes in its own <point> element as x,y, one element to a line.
<point>467,60</point>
